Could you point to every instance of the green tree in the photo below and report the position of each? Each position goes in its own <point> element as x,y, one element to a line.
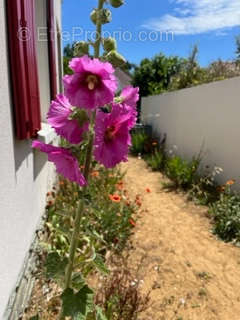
<point>128,67</point>
<point>238,50</point>
<point>190,73</point>
<point>153,76</point>
<point>67,56</point>
<point>68,50</point>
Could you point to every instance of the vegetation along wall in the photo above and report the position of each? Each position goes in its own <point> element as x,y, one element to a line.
<point>205,117</point>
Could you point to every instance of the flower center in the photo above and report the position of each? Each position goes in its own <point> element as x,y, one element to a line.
<point>110,133</point>
<point>92,81</point>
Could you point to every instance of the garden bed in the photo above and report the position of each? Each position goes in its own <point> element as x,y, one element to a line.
<point>172,254</point>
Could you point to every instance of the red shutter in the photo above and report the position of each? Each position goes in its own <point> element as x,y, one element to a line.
<point>51,47</point>
<point>23,63</point>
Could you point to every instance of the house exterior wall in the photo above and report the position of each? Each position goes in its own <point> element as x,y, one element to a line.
<point>204,117</point>
<point>42,58</point>
<point>42,48</point>
<point>25,176</point>
<point>123,78</point>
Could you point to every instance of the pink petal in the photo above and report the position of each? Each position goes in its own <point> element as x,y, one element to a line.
<point>65,163</point>
<point>58,118</point>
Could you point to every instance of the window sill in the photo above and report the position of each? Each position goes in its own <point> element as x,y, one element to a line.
<point>46,134</point>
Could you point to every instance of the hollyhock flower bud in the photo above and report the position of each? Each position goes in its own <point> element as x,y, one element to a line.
<point>81,48</point>
<point>112,137</point>
<point>63,119</point>
<point>93,16</point>
<point>116,3</point>
<point>92,85</point>
<point>65,163</point>
<point>80,115</point>
<point>115,58</point>
<point>109,44</point>
<point>105,16</point>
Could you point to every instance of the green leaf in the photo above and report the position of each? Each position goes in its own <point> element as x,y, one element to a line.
<point>99,314</point>
<point>55,265</point>
<point>78,281</point>
<point>77,305</point>
<point>35,317</point>
<point>99,263</point>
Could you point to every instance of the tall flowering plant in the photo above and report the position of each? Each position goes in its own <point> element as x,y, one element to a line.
<point>90,111</point>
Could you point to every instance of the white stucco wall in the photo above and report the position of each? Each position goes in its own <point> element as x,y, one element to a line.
<point>206,116</point>
<point>25,177</point>
<point>42,57</point>
<point>42,49</point>
<point>58,35</point>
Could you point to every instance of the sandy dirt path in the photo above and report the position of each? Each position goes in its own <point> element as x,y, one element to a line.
<point>191,274</point>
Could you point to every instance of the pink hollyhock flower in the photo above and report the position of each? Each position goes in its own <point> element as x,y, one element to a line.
<point>112,137</point>
<point>92,85</point>
<point>65,163</point>
<point>133,112</point>
<point>59,118</point>
<point>130,96</point>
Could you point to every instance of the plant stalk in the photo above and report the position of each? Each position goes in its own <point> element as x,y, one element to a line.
<point>73,245</point>
<point>87,167</point>
<point>99,30</point>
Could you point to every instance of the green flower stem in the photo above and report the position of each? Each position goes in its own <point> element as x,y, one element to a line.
<point>74,239</point>
<point>88,160</point>
<point>73,245</point>
<point>99,30</point>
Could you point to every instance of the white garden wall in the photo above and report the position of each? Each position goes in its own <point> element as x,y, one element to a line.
<point>206,116</point>
<point>25,177</point>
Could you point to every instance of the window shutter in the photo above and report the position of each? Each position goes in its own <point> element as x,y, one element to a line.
<point>23,65</point>
<point>51,47</point>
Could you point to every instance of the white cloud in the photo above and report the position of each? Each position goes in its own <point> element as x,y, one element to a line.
<point>198,16</point>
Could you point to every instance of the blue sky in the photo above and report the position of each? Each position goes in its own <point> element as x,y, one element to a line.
<point>142,27</point>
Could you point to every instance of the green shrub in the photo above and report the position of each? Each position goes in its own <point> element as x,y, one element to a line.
<point>106,223</point>
<point>156,161</point>
<point>119,295</point>
<point>139,140</point>
<point>226,216</point>
<point>181,172</point>
<point>205,190</point>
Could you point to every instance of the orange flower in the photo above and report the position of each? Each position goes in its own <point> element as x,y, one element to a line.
<point>230,182</point>
<point>119,186</point>
<point>95,174</point>
<point>114,197</point>
<point>148,190</point>
<point>132,222</point>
